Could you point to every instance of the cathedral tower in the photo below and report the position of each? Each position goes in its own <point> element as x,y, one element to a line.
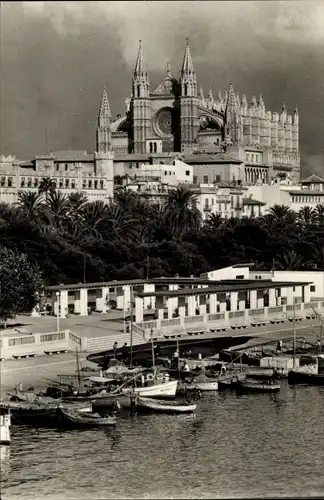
<point>104,157</point>
<point>141,105</point>
<point>103,127</point>
<point>189,121</point>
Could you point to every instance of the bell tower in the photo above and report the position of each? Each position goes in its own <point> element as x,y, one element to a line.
<point>189,121</point>
<point>104,157</point>
<point>141,105</point>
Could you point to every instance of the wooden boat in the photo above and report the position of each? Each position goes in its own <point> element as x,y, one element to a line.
<point>75,418</point>
<point>24,413</point>
<point>158,406</point>
<point>203,386</point>
<point>256,387</point>
<point>298,377</point>
<point>5,423</point>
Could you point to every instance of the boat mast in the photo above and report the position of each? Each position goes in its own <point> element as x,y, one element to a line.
<point>153,357</point>
<point>294,330</point>
<point>178,359</point>
<point>131,327</point>
<point>78,366</point>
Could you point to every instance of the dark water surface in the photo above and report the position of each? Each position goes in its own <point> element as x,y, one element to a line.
<point>236,446</point>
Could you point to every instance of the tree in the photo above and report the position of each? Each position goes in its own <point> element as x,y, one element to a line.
<point>21,284</point>
<point>29,205</point>
<point>47,185</point>
<point>181,212</point>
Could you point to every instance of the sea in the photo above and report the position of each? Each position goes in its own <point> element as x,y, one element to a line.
<point>236,446</point>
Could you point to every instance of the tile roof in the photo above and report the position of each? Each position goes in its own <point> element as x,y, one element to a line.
<point>210,158</point>
<point>313,178</point>
<point>251,201</point>
<point>73,156</point>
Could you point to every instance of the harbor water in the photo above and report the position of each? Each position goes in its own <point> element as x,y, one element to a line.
<point>254,445</point>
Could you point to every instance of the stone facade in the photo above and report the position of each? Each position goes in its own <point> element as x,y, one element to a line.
<point>176,117</point>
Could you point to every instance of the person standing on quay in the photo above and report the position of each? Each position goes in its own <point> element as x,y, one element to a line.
<point>115,347</point>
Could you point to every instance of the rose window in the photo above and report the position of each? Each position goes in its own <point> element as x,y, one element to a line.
<point>164,121</point>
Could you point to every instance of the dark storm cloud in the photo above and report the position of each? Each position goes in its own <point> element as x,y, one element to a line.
<point>55,58</point>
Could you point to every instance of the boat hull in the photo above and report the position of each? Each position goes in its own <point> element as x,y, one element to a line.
<point>250,387</point>
<point>5,422</point>
<point>165,390</point>
<point>75,419</point>
<point>156,406</point>
<point>30,414</point>
<point>203,386</point>
<point>295,377</point>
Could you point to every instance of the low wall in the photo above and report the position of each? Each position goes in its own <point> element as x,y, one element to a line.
<point>228,319</point>
<point>34,344</point>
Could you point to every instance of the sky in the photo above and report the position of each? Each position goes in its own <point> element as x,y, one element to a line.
<point>56,56</point>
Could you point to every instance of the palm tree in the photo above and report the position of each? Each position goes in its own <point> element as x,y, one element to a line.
<point>29,205</point>
<point>319,213</point>
<point>92,220</point>
<point>213,222</point>
<point>56,209</point>
<point>290,261</point>
<point>279,212</point>
<point>47,185</point>
<point>181,212</point>
<point>306,216</point>
<point>77,201</point>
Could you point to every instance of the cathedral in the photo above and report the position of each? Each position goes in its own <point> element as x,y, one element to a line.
<point>176,117</point>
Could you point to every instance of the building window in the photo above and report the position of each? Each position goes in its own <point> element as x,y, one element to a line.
<point>187,172</point>
<point>29,182</point>
<point>57,167</point>
<point>84,184</point>
<point>312,288</point>
<point>206,203</point>
<point>155,147</point>
<point>195,179</point>
<point>60,184</point>
<point>73,184</point>
<point>22,182</point>
<point>3,181</point>
<point>67,181</point>
<point>10,182</point>
<point>252,158</point>
<point>151,148</point>
<point>90,184</point>
<point>101,184</point>
<point>205,179</point>
<point>217,178</point>
<point>165,172</point>
<point>66,167</point>
<point>95,184</point>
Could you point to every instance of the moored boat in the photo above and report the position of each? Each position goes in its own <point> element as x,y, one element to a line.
<point>75,418</point>
<point>245,386</point>
<point>5,423</point>
<point>158,406</point>
<point>299,377</point>
<point>24,413</point>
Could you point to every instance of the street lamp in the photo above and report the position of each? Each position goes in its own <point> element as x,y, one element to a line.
<point>58,311</point>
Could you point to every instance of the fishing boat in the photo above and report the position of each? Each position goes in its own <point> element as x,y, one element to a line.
<point>202,383</point>
<point>256,387</point>
<point>300,377</point>
<point>5,423</point>
<point>75,418</point>
<point>158,406</point>
<point>25,413</point>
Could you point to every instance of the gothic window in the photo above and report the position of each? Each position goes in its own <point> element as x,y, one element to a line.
<point>66,167</point>
<point>138,91</point>
<point>151,148</point>
<point>3,181</point>
<point>95,184</point>
<point>164,121</point>
<point>57,167</point>
<point>252,158</point>
<point>185,89</point>
<point>90,184</point>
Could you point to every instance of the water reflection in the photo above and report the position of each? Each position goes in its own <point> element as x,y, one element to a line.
<point>249,445</point>
<point>4,462</point>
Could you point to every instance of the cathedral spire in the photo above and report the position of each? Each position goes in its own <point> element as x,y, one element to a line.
<point>201,93</point>
<point>231,104</point>
<point>140,68</point>
<point>140,77</point>
<point>210,94</point>
<point>104,106</point>
<point>188,79</point>
<point>103,128</point>
<point>261,103</point>
<point>187,64</point>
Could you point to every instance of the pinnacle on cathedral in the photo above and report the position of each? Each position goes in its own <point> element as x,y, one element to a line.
<point>104,106</point>
<point>187,65</point>
<point>140,68</point>
<point>231,104</point>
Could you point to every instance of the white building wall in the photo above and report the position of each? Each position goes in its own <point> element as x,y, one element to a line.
<point>228,273</point>
<point>316,277</point>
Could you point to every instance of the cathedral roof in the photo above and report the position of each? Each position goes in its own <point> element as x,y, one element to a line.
<point>314,179</point>
<point>210,158</point>
<point>73,156</point>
